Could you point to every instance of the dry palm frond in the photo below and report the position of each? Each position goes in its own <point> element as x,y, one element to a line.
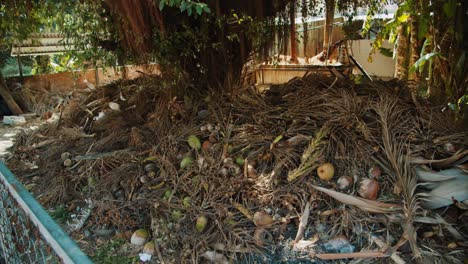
<point>310,159</point>
<point>136,138</point>
<point>397,164</point>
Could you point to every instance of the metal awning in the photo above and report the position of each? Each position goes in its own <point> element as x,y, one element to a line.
<point>42,44</point>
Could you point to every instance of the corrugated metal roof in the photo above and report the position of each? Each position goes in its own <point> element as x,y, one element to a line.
<point>42,44</point>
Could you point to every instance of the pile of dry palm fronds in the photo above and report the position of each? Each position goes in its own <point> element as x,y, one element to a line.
<point>126,147</point>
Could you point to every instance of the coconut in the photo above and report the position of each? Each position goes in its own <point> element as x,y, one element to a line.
<point>223,172</point>
<point>194,142</point>
<point>151,167</point>
<point>369,189</point>
<point>262,236</point>
<point>186,162</point>
<point>65,156</point>
<point>375,172</point>
<point>261,218</point>
<point>67,162</point>
<point>240,160</point>
<point>344,182</point>
<point>207,145</point>
<point>149,248</point>
<point>326,171</point>
<point>251,171</point>
<point>201,223</point>
<point>139,237</point>
<point>234,170</point>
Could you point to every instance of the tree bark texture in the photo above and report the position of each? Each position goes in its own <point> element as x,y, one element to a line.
<point>402,53</point>
<point>292,21</point>
<point>5,93</point>
<point>329,17</point>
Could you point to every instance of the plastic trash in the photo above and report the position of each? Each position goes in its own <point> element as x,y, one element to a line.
<point>339,245</point>
<point>14,120</point>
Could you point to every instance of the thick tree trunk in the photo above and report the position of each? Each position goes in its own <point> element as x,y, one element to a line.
<point>14,108</point>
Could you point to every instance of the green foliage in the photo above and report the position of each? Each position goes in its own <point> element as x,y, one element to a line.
<point>191,7</point>
<point>10,65</point>
<point>419,64</point>
<point>108,253</point>
<point>60,214</point>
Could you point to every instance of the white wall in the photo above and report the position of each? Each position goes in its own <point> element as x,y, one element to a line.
<point>381,66</point>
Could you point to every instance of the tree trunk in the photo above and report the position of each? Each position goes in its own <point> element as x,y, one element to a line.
<point>329,17</point>
<point>14,108</point>
<point>292,21</point>
<point>415,49</point>
<point>402,53</point>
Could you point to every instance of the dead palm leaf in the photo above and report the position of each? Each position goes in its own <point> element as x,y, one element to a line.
<point>394,124</point>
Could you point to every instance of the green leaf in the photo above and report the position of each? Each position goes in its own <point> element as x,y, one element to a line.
<point>161,4</point>
<point>386,52</point>
<point>206,9</point>
<point>183,6</point>
<point>403,18</point>
<point>426,43</point>
<point>449,8</point>
<point>423,27</point>
<point>419,64</point>
<point>199,9</point>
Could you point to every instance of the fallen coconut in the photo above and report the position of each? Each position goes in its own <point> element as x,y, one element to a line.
<point>344,182</point>
<point>194,142</point>
<point>139,237</point>
<point>223,172</point>
<point>151,167</point>
<point>234,170</point>
<point>375,172</point>
<point>261,218</point>
<point>186,162</point>
<point>369,189</point>
<point>67,162</point>
<point>449,147</point>
<point>251,171</point>
<point>240,160</point>
<point>149,248</point>
<point>262,236</point>
<point>207,145</point>
<point>326,171</point>
<point>201,223</point>
<point>65,156</point>
<point>187,202</point>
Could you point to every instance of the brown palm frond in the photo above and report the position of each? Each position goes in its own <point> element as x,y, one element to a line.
<point>394,123</point>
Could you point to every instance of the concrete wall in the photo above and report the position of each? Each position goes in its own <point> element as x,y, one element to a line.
<point>381,66</point>
<point>67,81</point>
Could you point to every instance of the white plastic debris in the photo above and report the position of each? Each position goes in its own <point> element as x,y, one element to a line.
<point>215,257</point>
<point>145,257</point>
<point>100,115</point>
<point>14,120</point>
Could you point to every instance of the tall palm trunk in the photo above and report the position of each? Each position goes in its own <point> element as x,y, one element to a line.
<point>415,47</point>
<point>402,53</point>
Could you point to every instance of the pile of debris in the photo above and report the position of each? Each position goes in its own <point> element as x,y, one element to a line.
<point>317,168</point>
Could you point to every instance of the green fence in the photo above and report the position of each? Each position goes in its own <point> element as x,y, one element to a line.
<point>27,233</point>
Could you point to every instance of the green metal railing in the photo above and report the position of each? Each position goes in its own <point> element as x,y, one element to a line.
<point>27,233</point>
